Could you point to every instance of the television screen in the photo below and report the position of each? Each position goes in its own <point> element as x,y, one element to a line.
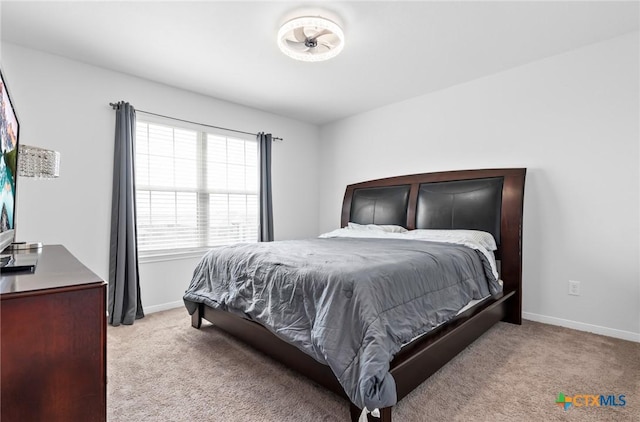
<point>8,165</point>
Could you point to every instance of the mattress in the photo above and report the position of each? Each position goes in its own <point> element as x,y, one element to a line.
<point>472,304</point>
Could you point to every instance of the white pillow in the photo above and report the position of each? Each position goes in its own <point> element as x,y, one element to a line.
<point>388,228</point>
<point>484,239</point>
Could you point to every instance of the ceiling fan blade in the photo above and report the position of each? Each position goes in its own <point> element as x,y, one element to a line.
<point>318,34</point>
<point>296,46</point>
<point>322,48</point>
<point>299,34</point>
<point>308,32</point>
<point>326,46</point>
<point>329,38</point>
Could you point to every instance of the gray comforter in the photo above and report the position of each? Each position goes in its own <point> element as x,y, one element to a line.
<point>349,303</point>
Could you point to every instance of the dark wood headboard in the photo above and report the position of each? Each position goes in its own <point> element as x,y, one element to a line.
<point>401,200</point>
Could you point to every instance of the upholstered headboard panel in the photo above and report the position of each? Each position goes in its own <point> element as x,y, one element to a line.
<point>386,205</point>
<point>462,204</point>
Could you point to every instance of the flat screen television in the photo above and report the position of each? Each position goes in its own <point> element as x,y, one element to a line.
<point>9,130</point>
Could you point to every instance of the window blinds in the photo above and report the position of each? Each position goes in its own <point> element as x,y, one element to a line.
<point>194,189</point>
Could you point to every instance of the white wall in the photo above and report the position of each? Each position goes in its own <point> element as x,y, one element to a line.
<point>64,105</point>
<point>573,121</point>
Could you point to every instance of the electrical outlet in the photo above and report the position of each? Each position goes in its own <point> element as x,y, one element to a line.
<point>574,288</point>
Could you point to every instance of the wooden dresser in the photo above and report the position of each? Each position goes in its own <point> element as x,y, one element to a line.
<point>53,342</point>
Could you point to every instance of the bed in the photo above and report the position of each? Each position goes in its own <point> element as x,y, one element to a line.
<point>490,201</point>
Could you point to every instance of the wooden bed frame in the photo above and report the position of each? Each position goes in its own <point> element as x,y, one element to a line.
<point>420,359</point>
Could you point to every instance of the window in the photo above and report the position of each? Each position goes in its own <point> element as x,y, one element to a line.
<point>194,189</point>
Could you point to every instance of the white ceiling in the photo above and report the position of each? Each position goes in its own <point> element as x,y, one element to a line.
<point>393,50</point>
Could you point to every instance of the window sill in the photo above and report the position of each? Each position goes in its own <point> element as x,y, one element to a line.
<point>171,256</point>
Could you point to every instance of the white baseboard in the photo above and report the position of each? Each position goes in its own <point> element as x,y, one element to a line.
<point>163,307</point>
<point>581,326</point>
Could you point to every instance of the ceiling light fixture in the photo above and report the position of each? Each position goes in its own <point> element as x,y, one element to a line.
<point>311,39</point>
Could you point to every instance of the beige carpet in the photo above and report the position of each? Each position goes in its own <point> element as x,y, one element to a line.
<point>161,369</point>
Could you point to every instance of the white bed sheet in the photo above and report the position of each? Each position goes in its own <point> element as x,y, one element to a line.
<point>466,307</point>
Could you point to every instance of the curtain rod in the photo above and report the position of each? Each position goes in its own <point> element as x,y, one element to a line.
<point>114,106</point>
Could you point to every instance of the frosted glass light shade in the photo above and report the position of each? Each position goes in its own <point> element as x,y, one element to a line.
<point>38,162</point>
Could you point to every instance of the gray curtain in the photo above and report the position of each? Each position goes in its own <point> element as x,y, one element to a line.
<point>124,305</point>
<point>266,207</point>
